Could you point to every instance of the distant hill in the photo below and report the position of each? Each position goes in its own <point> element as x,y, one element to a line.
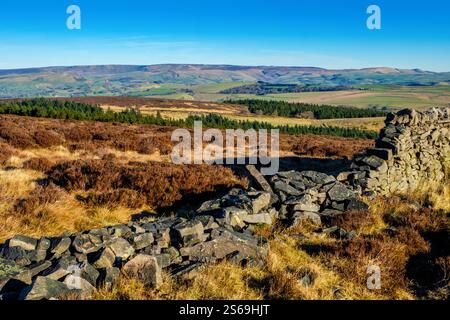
<point>135,79</point>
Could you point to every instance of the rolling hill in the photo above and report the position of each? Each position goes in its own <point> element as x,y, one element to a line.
<point>181,79</point>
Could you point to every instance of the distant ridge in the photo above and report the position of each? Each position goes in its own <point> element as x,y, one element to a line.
<point>137,80</point>
<point>110,69</point>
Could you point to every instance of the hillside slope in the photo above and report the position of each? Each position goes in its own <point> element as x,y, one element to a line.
<point>140,80</point>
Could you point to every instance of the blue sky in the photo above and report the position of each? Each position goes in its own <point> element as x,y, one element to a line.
<point>323,33</point>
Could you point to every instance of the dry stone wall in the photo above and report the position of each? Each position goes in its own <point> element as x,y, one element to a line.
<point>413,148</point>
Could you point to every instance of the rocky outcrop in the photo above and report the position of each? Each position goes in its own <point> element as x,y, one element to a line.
<point>413,148</point>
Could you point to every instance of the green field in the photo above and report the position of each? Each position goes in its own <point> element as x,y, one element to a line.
<point>386,96</point>
<point>381,87</point>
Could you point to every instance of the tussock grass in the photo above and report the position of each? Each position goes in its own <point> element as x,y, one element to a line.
<point>398,234</point>
<point>27,208</point>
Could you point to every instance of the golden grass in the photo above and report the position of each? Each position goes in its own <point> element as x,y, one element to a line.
<point>434,194</point>
<point>340,274</point>
<point>48,219</point>
<point>279,278</point>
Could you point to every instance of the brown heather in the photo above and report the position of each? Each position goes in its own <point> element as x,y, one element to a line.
<point>153,184</point>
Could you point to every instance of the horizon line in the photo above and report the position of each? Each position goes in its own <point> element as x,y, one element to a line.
<point>215,64</point>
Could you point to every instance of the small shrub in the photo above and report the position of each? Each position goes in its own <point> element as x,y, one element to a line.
<point>157,184</point>
<point>38,164</point>
<point>351,258</point>
<point>47,138</point>
<point>117,198</point>
<point>40,196</point>
<point>354,220</point>
<point>6,151</point>
<point>17,137</point>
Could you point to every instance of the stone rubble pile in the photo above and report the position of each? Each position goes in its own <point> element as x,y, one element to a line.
<point>77,264</point>
<point>313,196</point>
<point>414,147</point>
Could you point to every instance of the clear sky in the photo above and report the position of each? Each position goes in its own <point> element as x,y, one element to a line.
<point>322,33</point>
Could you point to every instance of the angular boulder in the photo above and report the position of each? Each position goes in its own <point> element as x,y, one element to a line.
<point>145,268</point>
<point>44,288</point>
<point>24,242</point>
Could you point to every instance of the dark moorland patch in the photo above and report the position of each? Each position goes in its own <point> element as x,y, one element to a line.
<point>152,184</point>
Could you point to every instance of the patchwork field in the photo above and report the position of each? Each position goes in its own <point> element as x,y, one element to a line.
<point>389,96</point>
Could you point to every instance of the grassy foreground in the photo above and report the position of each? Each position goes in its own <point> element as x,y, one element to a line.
<point>404,236</point>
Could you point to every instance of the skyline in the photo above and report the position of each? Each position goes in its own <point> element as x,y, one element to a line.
<point>323,34</point>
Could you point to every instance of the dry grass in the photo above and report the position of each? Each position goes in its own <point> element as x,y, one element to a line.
<point>337,269</point>
<point>27,208</point>
<point>434,195</point>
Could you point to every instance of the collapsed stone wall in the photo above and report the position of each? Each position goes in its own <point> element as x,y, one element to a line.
<point>78,264</point>
<point>220,229</point>
<point>413,148</point>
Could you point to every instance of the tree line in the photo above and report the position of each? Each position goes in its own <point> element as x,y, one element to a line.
<point>69,110</point>
<point>264,88</point>
<point>293,110</point>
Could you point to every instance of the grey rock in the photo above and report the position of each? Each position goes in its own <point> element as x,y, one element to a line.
<point>281,186</point>
<point>375,163</point>
<point>78,283</point>
<point>209,206</point>
<point>9,268</point>
<point>260,218</point>
<point>109,277</point>
<point>24,242</point>
<point>339,192</point>
<point>39,267</point>
<point>87,272</point>
<point>61,245</point>
<point>318,177</point>
<point>298,185</point>
<point>355,204</point>
<point>173,253</point>
<point>119,230</point>
<point>338,206</point>
<point>290,175</point>
<point>301,216</point>
<point>103,259</point>
<point>143,240</point>
<point>45,289</point>
<point>84,244</point>
<point>164,260</point>
<point>260,201</point>
<point>311,207</point>
<point>223,243</point>
<point>145,268</point>
<point>13,277</point>
<point>234,216</point>
<point>121,248</point>
<point>17,254</point>
<point>187,228</point>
